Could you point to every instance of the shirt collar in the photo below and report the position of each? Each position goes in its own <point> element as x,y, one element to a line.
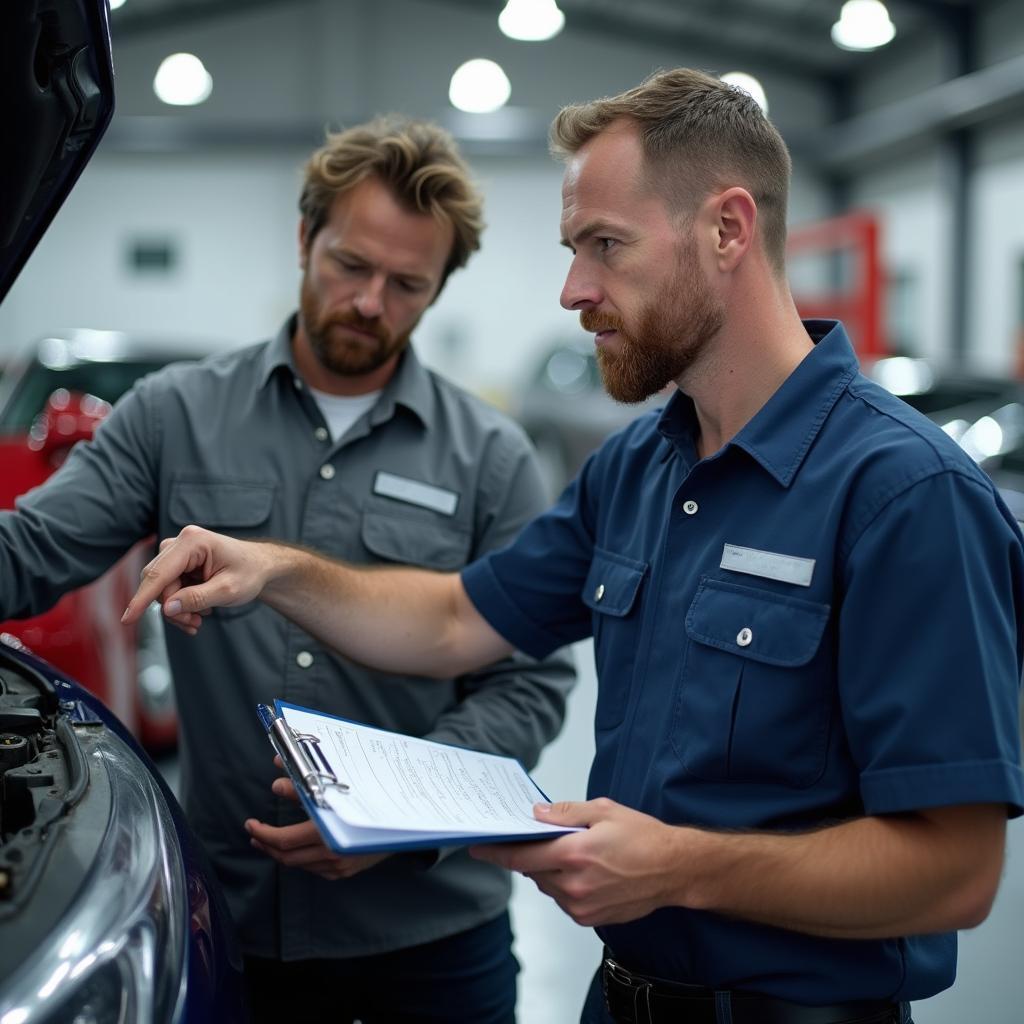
<point>409,385</point>
<point>278,354</point>
<point>784,428</point>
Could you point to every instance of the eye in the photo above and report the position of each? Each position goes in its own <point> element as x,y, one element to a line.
<point>606,244</point>
<point>348,264</point>
<point>410,287</point>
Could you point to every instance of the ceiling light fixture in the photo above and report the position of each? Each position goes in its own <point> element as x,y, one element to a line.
<point>531,20</point>
<point>182,80</point>
<point>479,87</point>
<point>749,84</point>
<point>863,25</point>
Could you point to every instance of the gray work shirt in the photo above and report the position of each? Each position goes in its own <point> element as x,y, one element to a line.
<point>237,444</point>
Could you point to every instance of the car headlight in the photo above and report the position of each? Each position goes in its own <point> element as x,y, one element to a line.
<point>117,951</point>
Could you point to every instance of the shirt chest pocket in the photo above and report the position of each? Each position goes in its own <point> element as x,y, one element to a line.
<point>237,508</point>
<point>612,592</point>
<point>755,694</point>
<point>411,539</point>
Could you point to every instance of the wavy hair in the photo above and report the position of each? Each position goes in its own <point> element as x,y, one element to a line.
<point>417,160</point>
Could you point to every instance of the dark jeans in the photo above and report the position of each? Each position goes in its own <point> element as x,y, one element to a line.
<point>595,1012</point>
<point>469,978</point>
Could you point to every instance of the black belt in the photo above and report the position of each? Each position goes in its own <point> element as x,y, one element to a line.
<point>641,999</point>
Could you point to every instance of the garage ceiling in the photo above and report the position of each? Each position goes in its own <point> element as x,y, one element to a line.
<point>787,39</point>
<point>781,35</point>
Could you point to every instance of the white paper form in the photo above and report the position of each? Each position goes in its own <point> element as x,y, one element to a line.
<point>413,785</point>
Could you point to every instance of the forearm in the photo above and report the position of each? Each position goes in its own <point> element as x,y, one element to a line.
<point>873,877</point>
<point>398,620</point>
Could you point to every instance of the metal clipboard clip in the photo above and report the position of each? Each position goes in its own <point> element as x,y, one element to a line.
<point>301,755</point>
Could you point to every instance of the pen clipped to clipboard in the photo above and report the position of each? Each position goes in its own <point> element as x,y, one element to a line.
<point>302,757</point>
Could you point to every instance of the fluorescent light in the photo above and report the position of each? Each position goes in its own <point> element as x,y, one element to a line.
<point>479,86</point>
<point>863,25</point>
<point>182,80</point>
<point>956,429</point>
<point>114,4</point>
<point>531,20</point>
<point>749,84</point>
<point>983,439</point>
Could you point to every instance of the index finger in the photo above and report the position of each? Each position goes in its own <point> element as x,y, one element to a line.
<point>162,573</point>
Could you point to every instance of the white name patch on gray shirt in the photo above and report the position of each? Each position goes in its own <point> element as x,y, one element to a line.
<point>401,488</point>
<point>772,566</point>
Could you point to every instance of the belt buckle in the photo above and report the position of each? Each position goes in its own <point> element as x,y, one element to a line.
<point>624,977</point>
<point>619,973</point>
<point>640,988</point>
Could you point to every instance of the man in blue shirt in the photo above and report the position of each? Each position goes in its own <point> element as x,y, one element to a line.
<point>805,602</point>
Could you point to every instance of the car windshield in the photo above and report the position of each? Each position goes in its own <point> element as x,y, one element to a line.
<point>104,380</point>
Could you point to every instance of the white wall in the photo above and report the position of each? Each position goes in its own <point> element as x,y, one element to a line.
<point>997,242</point>
<point>914,220</point>
<point>231,221</point>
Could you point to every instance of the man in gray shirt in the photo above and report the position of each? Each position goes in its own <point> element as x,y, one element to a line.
<point>335,437</point>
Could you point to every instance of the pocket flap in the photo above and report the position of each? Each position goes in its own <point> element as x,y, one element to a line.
<point>774,628</point>
<point>612,583</point>
<point>220,504</point>
<point>418,541</point>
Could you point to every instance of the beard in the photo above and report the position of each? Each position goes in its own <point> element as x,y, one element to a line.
<point>340,352</point>
<point>669,338</point>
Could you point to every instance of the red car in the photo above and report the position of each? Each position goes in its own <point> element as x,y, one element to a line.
<point>52,395</point>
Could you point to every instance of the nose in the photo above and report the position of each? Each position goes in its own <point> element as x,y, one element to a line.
<point>369,302</point>
<point>580,290</point>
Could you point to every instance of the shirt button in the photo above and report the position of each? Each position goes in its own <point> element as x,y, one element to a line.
<point>321,433</point>
<point>298,384</point>
<point>599,592</point>
<point>690,507</point>
<point>303,659</point>
<point>744,636</point>
<point>327,472</point>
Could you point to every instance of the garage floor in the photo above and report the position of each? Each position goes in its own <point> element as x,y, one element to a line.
<point>558,958</point>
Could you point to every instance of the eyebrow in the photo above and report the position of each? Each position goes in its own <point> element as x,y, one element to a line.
<point>411,276</point>
<point>595,227</point>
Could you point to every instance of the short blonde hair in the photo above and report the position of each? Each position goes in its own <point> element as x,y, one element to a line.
<point>699,135</point>
<point>417,160</point>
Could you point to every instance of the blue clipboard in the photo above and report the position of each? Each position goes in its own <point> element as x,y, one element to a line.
<point>312,776</point>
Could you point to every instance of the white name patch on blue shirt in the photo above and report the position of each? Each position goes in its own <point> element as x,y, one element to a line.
<point>401,488</point>
<point>772,566</point>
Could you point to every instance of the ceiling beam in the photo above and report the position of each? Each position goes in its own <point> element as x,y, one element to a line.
<point>130,21</point>
<point>963,102</point>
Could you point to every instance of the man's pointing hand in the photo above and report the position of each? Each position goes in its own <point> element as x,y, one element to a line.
<point>196,571</point>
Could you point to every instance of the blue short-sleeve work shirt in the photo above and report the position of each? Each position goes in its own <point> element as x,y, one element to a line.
<point>818,622</point>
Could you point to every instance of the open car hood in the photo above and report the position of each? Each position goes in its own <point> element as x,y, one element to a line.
<point>57,88</point>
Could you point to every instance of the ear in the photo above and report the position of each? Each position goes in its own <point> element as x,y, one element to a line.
<point>735,220</point>
<point>303,243</point>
